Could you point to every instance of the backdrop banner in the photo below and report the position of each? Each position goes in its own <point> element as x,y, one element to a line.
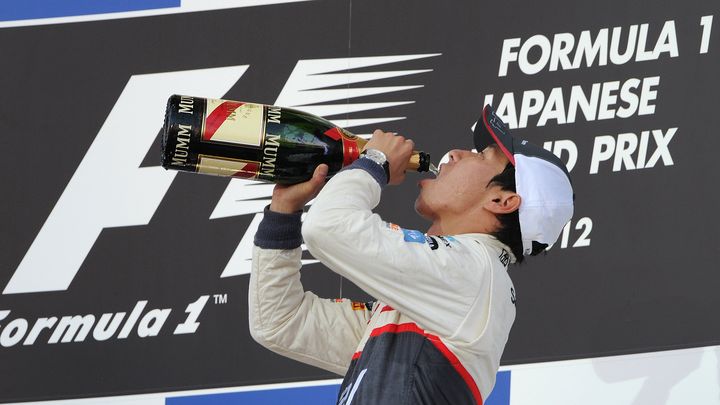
<point>118,277</point>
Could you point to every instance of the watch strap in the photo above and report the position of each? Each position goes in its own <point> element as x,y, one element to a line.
<point>380,161</point>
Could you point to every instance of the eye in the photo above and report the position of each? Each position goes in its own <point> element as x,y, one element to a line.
<point>489,148</point>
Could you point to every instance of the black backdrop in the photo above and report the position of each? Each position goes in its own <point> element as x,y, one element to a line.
<point>648,280</point>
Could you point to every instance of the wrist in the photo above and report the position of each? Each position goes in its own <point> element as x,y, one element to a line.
<point>372,168</point>
<point>279,230</point>
<point>377,156</point>
<point>284,208</point>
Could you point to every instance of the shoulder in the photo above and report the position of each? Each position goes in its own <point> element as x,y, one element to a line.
<point>490,248</point>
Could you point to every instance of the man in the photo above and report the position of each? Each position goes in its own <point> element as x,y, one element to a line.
<point>445,303</point>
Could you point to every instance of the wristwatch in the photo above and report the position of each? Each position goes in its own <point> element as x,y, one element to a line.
<point>379,158</point>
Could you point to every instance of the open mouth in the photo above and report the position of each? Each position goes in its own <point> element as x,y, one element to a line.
<point>422,182</point>
<point>440,169</point>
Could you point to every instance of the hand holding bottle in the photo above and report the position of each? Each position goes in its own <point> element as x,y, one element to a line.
<point>288,199</point>
<point>397,150</point>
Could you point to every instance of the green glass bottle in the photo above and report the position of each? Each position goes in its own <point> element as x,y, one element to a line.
<point>256,141</point>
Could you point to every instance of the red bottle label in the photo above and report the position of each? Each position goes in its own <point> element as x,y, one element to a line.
<point>351,151</point>
<point>234,123</point>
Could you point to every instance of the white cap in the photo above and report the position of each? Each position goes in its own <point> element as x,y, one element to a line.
<point>541,180</point>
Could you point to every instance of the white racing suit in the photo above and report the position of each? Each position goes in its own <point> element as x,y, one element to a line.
<point>445,304</point>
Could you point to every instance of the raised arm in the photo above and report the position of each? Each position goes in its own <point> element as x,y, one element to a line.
<point>283,317</point>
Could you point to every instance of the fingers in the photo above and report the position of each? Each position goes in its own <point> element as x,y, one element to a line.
<point>387,140</point>
<point>397,149</point>
<point>292,198</point>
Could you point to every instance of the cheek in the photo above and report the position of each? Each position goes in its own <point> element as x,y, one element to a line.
<point>438,197</point>
<point>465,191</point>
<point>462,186</point>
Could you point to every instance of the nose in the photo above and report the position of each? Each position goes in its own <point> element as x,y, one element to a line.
<point>455,155</point>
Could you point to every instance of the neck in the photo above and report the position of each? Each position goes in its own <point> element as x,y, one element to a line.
<point>463,224</point>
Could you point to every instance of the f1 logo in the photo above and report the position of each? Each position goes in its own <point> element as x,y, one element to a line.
<point>110,189</point>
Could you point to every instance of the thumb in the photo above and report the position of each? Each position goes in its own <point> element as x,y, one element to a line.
<point>318,179</point>
<point>320,173</point>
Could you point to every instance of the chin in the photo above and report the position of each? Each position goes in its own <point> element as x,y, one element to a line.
<point>422,209</point>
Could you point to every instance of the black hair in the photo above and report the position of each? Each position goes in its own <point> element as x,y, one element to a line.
<point>509,230</point>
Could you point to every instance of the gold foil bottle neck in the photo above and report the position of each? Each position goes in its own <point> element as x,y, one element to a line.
<point>414,162</point>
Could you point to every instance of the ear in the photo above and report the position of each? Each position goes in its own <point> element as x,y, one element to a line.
<point>503,202</point>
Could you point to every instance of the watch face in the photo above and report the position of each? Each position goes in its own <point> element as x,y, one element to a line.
<point>376,156</point>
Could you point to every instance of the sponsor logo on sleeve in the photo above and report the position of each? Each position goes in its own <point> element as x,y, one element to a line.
<point>411,235</point>
<point>445,241</point>
<point>432,242</point>
<point>504,257</point>
<point>356,305</point>
<point>452,240</point>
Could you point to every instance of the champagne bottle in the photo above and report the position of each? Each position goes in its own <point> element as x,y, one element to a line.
<point>256,141</point>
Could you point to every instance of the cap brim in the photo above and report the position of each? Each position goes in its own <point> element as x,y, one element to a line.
<point>489,130</point>
<point>492,130</point>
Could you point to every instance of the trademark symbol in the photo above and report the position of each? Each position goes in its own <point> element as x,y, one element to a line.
<point>220,298</point>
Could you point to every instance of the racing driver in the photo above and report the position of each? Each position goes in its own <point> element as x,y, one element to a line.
<point>444,301</point>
